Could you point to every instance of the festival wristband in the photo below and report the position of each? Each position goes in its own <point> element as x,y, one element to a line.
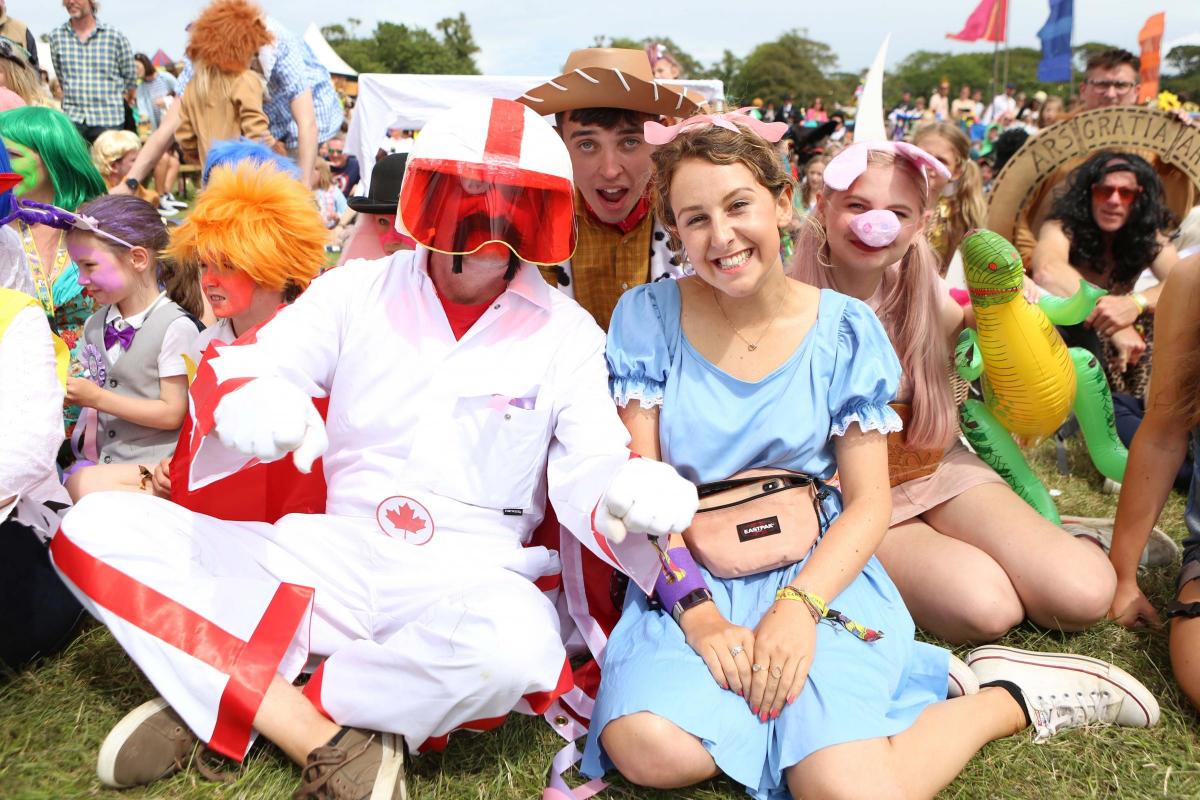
<point>1140,301</point>
<point>819,608</point>
<point>679,577</point>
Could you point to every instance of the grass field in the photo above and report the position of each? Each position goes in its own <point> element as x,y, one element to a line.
<point>53,718</point>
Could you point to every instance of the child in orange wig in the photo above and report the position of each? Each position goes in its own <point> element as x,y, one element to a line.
<point>257,241</point>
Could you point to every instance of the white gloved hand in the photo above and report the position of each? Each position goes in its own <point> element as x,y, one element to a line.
<point>268,418</point>
<point>646,496</point>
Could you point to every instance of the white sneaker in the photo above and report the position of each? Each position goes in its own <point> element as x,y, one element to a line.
<point>168,199</point>
<point>1160,550</point>
<point>167,211</point>
<point>1067,691</point>
<point>961,679</point>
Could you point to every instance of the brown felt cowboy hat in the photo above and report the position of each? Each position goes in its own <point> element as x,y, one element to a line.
<point>609,77</point>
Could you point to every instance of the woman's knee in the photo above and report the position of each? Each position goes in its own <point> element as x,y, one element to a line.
<point>986,612</point>
<point>831,775</point>
<point>1081,592</point>
<point>652,751</point>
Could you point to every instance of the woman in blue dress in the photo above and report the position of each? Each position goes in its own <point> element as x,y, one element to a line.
<point>739,367</point>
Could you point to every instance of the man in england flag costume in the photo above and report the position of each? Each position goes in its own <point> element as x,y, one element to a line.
<point>463,392</point>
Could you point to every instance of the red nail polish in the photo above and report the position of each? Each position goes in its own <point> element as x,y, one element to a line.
<point>762,717</point>
<point>774,715</point>
<point>791,699</point>
<point>754,710</point>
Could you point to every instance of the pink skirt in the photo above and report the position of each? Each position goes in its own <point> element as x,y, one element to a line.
<point>959,470</point>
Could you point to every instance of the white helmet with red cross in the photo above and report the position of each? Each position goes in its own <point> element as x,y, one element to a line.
<point>490,171</point>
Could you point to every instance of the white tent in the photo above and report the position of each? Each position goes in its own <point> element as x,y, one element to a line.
<point>409,101</point>
<point>325,54</point>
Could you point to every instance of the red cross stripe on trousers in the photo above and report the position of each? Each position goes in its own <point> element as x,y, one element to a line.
<point>249,664</point>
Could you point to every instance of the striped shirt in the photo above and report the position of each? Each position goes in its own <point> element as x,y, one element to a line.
<point>94,73</point>
<point>291,68</point>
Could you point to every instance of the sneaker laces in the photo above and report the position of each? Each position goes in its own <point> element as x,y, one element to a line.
<point>314,776</point>
<point>1056,712</point>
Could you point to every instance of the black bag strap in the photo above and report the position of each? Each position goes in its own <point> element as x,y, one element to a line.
<point>784,481</point>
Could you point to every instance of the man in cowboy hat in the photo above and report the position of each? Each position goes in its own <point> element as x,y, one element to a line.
<point>600,103</point>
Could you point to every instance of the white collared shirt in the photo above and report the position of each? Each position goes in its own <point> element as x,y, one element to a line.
<point>177,340</point>
<point>469,429</point>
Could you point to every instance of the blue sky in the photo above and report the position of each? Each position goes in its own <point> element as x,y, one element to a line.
<point>519,37</point>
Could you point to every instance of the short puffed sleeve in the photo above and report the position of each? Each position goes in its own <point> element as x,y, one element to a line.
<point>866,374</point>
<point>642,339</point>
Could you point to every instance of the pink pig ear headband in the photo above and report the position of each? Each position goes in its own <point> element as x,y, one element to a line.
<point>656,133</point>
<point>878,227</point>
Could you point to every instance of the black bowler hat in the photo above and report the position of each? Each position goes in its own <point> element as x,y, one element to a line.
<point>384,194</point>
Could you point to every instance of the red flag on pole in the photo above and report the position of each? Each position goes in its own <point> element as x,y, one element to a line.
<point>986,22</point>
<point>1150,39</point>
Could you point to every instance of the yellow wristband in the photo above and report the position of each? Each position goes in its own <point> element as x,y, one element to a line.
<point>1140,301</point>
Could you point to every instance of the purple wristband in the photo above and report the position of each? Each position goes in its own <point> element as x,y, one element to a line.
<point>679,577</point>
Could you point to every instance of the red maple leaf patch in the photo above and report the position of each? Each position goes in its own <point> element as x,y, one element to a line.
<point>404,519</point>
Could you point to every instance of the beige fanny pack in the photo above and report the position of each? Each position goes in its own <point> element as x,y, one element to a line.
<point>756,521</point>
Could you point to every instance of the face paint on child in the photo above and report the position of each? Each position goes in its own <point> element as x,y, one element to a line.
<point>102,273</point>
<point>27,164</point>
<point>390,239</point>
<point>229,292</point>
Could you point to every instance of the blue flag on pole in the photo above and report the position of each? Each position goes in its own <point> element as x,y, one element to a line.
<point>1055,66</point>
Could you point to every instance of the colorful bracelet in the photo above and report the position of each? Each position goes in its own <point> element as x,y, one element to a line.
<point>821,610</point>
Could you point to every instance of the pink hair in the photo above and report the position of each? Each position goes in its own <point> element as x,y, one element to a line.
<point>909,312</point>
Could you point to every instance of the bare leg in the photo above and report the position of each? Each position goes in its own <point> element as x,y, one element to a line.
<point>171,171</point>
<point>1185,646</point>
<point>1063,582</point>
<point>107,478</point>
<point>288,719</point>
<point>917,762</point>
<point>161,184</point>
<point>953,589</point>
<point>650,750</point>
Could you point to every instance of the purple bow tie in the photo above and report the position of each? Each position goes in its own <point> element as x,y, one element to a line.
<point>112,336</point>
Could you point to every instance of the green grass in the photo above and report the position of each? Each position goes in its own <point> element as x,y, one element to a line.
<point>53,718</point>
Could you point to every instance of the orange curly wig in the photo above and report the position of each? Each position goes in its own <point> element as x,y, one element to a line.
<point>227,35</point>
<point>257,220</point>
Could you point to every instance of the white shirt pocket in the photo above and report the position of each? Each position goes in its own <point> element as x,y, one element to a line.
<point>489,451</point>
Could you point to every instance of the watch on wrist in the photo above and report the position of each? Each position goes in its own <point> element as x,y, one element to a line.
<point>1178,609</point>
<point>132,184</point>
<point>690,600</point>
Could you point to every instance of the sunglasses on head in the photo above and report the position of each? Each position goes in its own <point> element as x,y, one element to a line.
<point>1126,194</point>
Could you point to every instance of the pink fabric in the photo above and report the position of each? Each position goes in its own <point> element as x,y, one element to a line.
<point>657,133</point>
<point>878,227</point>
<point>10,99</point>
<point>846,166</point>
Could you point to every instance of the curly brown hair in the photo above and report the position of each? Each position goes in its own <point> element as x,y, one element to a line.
<point>227,35</point>
<point>719,146</point>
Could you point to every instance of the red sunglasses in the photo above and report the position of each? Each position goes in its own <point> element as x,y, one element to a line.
<point>1102,194</point>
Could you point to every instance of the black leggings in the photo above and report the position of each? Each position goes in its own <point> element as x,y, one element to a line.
<point>38,613</point>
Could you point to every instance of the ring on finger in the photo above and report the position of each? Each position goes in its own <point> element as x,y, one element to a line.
<point>756,667</point>
<point>736,650</point>
<point>777,672</point>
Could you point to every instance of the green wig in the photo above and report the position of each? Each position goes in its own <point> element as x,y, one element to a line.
<point>62,150</point>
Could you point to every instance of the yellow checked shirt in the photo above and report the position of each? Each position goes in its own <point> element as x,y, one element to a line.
<point>606,263</point>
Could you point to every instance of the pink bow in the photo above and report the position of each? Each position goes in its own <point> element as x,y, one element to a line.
<point>844,168</point>
<point>657,133</point>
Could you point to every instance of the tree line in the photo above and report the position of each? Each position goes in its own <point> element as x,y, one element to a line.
<point>793,64</point>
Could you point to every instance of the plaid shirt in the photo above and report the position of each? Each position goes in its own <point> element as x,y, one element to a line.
<point>292,67</point>
<point>94,73</point>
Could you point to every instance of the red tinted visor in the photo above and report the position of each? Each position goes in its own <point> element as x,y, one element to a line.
<point>457,207</point>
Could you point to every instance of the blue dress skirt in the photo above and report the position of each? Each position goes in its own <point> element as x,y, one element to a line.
<point>844,372</point>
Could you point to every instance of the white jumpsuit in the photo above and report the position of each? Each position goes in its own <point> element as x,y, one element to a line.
<point>415,585</point>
